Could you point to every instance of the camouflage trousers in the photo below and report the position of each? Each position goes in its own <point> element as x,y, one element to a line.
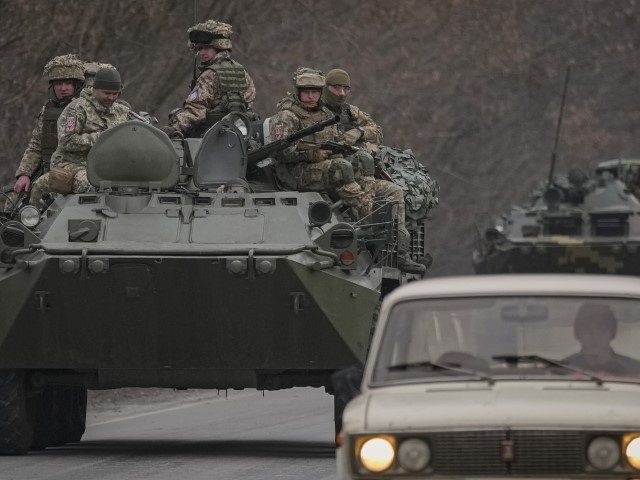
<point>374,187</point>
<point>364,169</point>
<point>332,174</point>
<point>8,200</point>
<point>38,189</point>
<point>81,183</point>
<point>41,186</point>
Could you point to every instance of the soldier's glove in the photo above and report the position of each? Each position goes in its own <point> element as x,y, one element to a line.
<point>172,132</point>
<point>351,137</point>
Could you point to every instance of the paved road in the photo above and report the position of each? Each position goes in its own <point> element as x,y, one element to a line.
<point>284,435</point>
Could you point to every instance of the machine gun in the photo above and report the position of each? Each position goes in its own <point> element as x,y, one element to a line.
<point>271,148</point>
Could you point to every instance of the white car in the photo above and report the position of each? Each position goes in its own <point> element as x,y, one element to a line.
<point>501,376</point>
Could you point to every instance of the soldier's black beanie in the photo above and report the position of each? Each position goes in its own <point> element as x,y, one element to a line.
<point>107,79</point>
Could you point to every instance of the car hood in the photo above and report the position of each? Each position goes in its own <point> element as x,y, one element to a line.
<point>504,404</point>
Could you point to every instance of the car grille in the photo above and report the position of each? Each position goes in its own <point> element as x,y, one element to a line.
<point>483,452</point>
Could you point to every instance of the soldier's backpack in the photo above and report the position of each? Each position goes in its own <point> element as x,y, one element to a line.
<point>420,189</point>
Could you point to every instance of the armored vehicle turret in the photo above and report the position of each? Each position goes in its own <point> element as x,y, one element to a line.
<point>181,270</point>
<point>574,224</point>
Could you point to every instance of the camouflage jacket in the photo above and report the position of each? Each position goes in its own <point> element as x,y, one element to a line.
<point>206,95</point>
<point>36,150</point>
<point>293,116</point>
<point>351,117</point>
<point>80,125</point>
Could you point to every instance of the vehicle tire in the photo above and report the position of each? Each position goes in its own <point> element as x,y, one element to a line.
<point>346,386</point>
<point>16,429</point>
<point>60,416</point>
<point>76,405</point>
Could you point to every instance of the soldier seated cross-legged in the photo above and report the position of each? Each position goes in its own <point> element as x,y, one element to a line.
<point>79,127</point>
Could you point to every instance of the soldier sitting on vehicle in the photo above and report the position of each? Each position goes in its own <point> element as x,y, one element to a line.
<point>79,127</point>
<point>356,128</point>
<point>595,327</point>
<point>303,166</point>
<point>65,76</point>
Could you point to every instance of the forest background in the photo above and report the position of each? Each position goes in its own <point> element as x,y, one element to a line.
<point>472,86</point>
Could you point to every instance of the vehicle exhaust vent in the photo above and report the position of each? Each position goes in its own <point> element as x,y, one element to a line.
<point>565,225</point>
<point>264,201</point>
<point>232,201</point>
<point>202,200</point>
<point>609,224</point>
<point>290,201</point>
<point>87,199</point>
<point>170,200</point>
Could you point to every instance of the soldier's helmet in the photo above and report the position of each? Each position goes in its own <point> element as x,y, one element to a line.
<point>213,33</point>
<point>64,67</point>
<point>90,70</point>
<point>308,78</point>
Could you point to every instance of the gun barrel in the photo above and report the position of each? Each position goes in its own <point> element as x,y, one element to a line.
<point>274,147</point>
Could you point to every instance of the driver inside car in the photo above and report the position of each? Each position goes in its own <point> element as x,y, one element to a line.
<point>595,327</point>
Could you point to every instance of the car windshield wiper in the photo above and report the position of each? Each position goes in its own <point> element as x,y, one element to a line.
<point>515,359</point>
<point>442,366</point>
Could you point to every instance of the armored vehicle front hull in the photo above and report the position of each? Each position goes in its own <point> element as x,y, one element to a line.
<point>185,321</point>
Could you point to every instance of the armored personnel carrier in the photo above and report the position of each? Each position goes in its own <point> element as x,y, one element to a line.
<point>184,271</point>
<point>573,224</point>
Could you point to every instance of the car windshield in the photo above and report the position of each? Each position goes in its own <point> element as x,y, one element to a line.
<point>493,338</point>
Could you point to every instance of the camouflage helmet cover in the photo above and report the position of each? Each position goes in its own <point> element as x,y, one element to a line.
<point>214,33</point>
<point>63,67</point>
<point>308,78</point>
<point>90,70</point>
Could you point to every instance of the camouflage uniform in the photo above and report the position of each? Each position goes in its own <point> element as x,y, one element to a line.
<point>79,127</point>
<point>303,166</point>
<point>223,85</point>
<point>356,128</point>
<point>44,138</point>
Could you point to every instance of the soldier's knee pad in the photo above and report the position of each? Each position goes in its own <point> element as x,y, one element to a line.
<point>365,162</point>
<point>342,171</point>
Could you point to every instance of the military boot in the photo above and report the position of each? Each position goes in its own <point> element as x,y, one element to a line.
<point>405,263</point>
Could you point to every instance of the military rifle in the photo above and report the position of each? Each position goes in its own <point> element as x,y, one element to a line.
<point>271,148</point>
<point>338,148</point>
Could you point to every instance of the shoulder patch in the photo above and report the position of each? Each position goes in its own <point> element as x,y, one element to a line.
<point>70,126</point>
<point>192,96</point>
<point>278,131</point>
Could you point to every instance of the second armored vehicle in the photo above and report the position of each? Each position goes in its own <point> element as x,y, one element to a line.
<point>576,224</point>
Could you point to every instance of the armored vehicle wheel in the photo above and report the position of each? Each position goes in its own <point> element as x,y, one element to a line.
<point>16,430</point>
<point>75,413</point>
<point>346,386</point>
<point>60,413</point>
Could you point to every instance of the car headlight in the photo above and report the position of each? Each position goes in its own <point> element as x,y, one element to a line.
<point>29,216</point>
<point>603,453</point>
<point>414,454</point>
<point>631,448</point>
<point>377,454</point>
